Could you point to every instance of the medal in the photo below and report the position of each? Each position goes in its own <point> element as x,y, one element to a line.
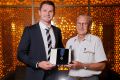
<point>61,58</point>
<point>62,53</point>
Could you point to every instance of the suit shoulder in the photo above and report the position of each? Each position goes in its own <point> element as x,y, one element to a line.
<point>54,27</point>
<point>32,26</point>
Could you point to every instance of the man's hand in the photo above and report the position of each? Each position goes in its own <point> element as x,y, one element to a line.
<point>45,65</point>
<point>91,66</point>
<point>75,65</point>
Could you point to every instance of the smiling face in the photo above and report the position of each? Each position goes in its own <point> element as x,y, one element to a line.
<point>46,13</point>
<point>82,25</point>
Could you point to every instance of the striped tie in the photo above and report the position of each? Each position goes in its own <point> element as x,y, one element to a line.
<point>49,42</point>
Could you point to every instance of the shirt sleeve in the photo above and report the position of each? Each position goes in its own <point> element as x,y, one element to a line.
<point>99,51</point>
<point>68,44</point>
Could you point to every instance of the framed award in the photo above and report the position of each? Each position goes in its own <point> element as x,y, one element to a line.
<point>60,56</point>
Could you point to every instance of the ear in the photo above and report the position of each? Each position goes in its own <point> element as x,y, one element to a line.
<point>39,12</point>
<point>89,28</point>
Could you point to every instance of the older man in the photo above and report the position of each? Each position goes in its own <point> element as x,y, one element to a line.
<point>89,56</point>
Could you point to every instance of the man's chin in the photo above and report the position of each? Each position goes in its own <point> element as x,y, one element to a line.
<point>82,33</point>
<point>47,21</point>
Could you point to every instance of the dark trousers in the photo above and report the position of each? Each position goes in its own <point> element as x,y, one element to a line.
<point>84,78</point>
<point>55,75</point>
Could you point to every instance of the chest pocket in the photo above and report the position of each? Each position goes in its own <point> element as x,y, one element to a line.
<point>89,53</point>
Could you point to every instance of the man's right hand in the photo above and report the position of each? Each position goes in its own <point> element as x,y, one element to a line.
<point>45,65</point>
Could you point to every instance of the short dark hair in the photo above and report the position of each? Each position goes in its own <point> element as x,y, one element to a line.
<point>49,3</point>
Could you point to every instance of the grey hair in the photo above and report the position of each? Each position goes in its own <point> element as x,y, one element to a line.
<point>89,19</point>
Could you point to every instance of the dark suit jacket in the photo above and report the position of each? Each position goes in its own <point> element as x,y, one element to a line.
<point>32,50</point>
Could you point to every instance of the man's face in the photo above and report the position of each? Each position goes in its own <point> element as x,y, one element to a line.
<point>82,25</point>
<point>46,13</point>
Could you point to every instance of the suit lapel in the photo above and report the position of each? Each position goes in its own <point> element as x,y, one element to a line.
<point>40,39</point>
<point>56,35</point>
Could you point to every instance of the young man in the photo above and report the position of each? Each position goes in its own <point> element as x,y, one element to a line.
<point>89,56</point>
<point>36,42</point>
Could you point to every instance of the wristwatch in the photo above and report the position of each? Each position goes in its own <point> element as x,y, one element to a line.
<point>85,67</point>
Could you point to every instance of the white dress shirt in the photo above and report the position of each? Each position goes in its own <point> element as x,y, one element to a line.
<point>43,28</point>
<point>90,50</point>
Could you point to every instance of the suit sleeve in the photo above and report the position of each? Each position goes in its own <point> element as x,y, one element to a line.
<point>24,49</point>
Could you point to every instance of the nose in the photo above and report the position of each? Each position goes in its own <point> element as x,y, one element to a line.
<point>82,24</point>
<point>47,13</point>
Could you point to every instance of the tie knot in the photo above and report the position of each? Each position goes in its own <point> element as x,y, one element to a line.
<point>47,30</point>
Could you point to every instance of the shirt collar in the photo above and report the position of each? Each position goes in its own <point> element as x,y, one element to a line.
<point>43,26</point>
<point>87,37</point>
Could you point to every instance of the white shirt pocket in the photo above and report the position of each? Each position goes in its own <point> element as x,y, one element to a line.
<point>90,55</point>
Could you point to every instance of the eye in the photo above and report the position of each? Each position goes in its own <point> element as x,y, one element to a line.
<point>78,24</point>
<point>51,11</point>
<point>85,23</point>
